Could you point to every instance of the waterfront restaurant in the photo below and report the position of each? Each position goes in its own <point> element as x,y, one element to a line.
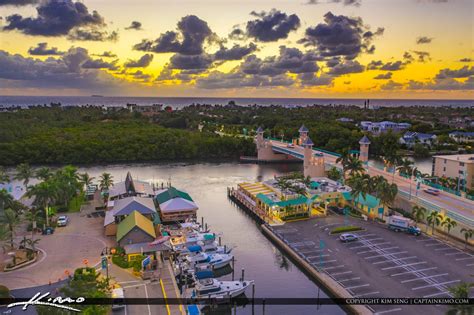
<point>175,205</point>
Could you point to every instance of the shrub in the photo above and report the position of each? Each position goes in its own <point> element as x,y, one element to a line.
<point>342,229</point>
<point>4,292</point>
<point>120,261</point>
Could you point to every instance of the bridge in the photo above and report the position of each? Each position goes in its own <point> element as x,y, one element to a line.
<point>316,160</point>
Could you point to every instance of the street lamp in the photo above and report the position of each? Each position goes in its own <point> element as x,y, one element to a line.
<point>105,262</point>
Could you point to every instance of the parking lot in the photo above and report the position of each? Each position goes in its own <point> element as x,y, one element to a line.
<point>381,263</point>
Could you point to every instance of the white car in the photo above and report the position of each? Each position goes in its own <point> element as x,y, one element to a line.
<point>118,296</point>
<point>348,237</point>
<point>63,220</point>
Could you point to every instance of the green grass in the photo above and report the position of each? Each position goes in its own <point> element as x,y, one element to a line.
<point>76,203</point>
<point>342,229</point>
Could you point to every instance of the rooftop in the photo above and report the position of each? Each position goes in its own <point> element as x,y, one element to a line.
<point>303,129</point>
<point>466,158</point>
<point>135,219</point>
<point>171,193</point>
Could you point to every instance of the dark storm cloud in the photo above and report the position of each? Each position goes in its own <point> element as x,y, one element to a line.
<point>189,62</point>
<point>106,54</point>
<point>423,56</point>
<point>189,40</point>
<point>17,3</point>
<point>272,25</point>
<point>42,49</point>
<point>389,66</point>
<point>143,62</point>
<point>424,40</point>
<point>235,53</point>
<point>64,72</point>
<point>346,67</point>
<point>135,25</point>
<point>442,84</point>
<point>219,80</point>
<point>310,79</point>
<point>340,35</point>
<point>383,76</point>
<point>391,85</point>
<point>463,72</point>
<point>466,60</point>
<point>99,64</point>
<point>54,18</point>
<point>345,2</point>
<point>92,34</point>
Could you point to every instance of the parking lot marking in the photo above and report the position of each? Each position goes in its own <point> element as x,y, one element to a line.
<point>470,265</point>
<point>330,261</point>
<point>389,311</point>
<point>453,254</point>
<point>435,284</point>
<point>423,278</point>
<point>381,262</point>
<point>335,267</point>
<point>371,239</point>
<point>366,294</point>
<point>465,258</point>
<point>435,244</point>
<point>377,249</point>
<point>438,293</point>
<point>427,240</point>
<point>393,260</point>
<point>413,271</point>
<point>406,265</point>
<point>443,249</point>
<point>341,273</point>
<point>369,245</point>
<point>396,253</point>
<point>317,256</point>
<point>357,286</point>
<point>349,279</point>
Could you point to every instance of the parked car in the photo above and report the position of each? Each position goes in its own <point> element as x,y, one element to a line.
<point>348,237</point>
<point>63,220</point>
<point>432,191</point>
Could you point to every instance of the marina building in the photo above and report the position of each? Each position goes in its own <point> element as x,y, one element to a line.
<point>460,166</point>
<point>175,205</point>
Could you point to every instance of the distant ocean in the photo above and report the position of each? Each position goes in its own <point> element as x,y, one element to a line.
<point>177,102</point>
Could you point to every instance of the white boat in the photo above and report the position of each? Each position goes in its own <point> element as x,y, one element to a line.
<point>200,247</point>
<point>215,261</point>
<point>192,239</point>
<point>214,289</point>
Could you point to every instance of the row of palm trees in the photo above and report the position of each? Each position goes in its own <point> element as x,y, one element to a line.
<point>434,218</point>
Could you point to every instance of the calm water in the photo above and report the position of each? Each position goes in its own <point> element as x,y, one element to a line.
<point>274,275</point>
<point>177,102</point>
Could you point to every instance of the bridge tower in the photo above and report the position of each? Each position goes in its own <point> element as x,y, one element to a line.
<point>303,134</point>
<point>364,149</point>
<point>313,165</point>
<point>264,148</point>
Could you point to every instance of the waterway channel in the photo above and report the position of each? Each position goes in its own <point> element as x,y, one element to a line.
<point>275,275</point>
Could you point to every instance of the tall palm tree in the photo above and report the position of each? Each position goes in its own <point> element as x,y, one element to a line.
<point>405,167</point>
<point>105,181</point>
<point>468,233</point>
<point>11,220</point>
<point>4,177</point>
<point>33,243</point>
<point>354,166</point>
<point>360,184</point>
<point>4,234</point>
<point>375,182</point>
<point>23,173</point>
<point>448,223</point>
<point>43,173</point>
<point>419,214</point>
<point>43,193</point>
<point>344,157</point>
<point>434,218</point>
<point>32,216</point>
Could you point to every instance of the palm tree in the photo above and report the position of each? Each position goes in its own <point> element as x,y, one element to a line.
<point>344,157</point>
<point>405,167</point>
<point>4,178</point>
<point>334,174</point>
<point>44,194</point>
<point>449,223</point>
<point>6,200</point>
<point>32,216</point>
<point>386,193</point>
<point>85,179</point>
<point>360,184</point>
<point>44,173</point>
<point>418,213</point>
<point>354,166</point>
<point>433,218</point>
<point>468,233</point>
<point>106,181</point>
<point>24,173</point>
<point>10,219</point>
<point>4,234</point>
<point>33,243</point>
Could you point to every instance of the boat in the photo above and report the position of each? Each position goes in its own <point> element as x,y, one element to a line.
<point>215,289</point>
<point>200,247</point>
<point>180,243</point>
<point>215,261</point>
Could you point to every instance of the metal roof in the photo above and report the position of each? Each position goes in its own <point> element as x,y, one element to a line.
<point>364,140</point>
<point>259,130</point>
<point>135,219</point>
<point>303,129</point>
<point>171,193</point>
<point>308,142</point>
<point>125,206</point>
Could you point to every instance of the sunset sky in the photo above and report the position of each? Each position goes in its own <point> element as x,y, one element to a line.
<point>246,48</point>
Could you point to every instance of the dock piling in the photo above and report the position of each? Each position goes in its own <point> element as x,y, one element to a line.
<point>220,241</point>
<point>243,273</point>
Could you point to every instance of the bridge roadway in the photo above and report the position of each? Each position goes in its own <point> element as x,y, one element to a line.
<point>459,209</point>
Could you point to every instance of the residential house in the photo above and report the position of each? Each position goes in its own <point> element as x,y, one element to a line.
<point>462,136</point>
<point>410,138</point>
<point>383,126</point>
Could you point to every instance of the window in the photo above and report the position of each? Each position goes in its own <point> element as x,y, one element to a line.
<point>444,169</point>
<point>445,161</point>
<point>461,164</point>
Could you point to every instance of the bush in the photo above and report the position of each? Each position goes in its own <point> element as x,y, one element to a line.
<point>342,229</point>
<point>4,292</point>
<point>121,261</point>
